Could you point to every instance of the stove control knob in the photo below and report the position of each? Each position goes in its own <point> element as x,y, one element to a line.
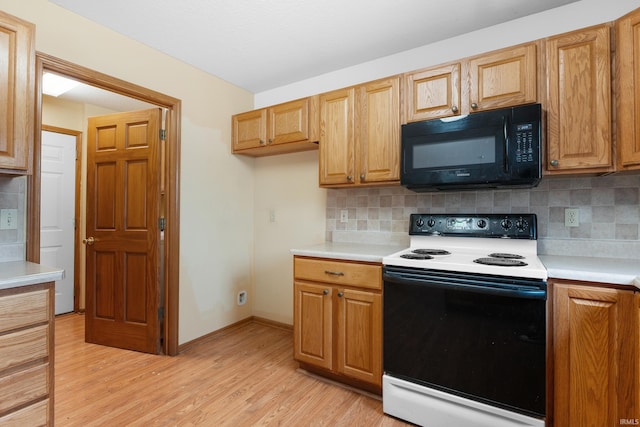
<point>506,223</point>
<point>482,223</point>
<point>431,222</point>
<point>521,224</point>
<point>420,222</point>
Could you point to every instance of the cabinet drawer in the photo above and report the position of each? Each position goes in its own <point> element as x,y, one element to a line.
<point>24,346</point>
<point>34,415</point>
<point>23,387</point>
<point>338,272</point>
<point>24,309</point>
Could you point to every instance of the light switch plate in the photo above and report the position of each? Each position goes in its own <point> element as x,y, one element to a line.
<point>8,219</point>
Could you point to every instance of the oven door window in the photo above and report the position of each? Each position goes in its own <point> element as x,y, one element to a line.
<point>489,348</point>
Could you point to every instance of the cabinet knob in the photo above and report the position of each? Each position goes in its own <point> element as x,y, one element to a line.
<point>349,177</point>
<point>340,294</point>
<point>474,105</point>
<point>89,241</point>
<point>261,142</point>
<point>361,177</point>
<point>325,292</point>
<point>454,109</point>
<point>270,140</point>
<point>554,163</point>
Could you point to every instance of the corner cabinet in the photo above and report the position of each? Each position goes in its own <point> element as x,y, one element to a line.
<point>26,355</point>
<point>338,320</point>
<point>360,135</point>
<point>628,91</point>
<point>283,128</point>
<point>579,134</point>
<point>17,94</point>
<point>595,355</point>
<point>498,79</point>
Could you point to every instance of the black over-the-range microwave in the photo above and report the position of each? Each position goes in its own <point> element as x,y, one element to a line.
<point>492,149</point>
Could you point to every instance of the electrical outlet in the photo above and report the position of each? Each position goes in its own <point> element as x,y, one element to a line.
<point>344,215</point>
<point>8,219</point>
<point>571,217</point>
<point>242,297</point>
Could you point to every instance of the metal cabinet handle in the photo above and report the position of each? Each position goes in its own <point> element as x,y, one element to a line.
<point>261,142</point>
<point>349,177</point>
<point>334,273</point>
<point>474,105</point>
<point>89,241</point>
<point>325,292</point>
<point>362,177</point>
<point>554,163</point>
<point>454,109</point>
<point>340,294</point>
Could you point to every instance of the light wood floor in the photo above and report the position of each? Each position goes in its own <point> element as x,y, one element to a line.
<point>243,377</point>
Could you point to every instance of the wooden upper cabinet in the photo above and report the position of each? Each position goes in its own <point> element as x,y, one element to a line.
<point>360,134</point>
<point>628,91</point>
<point>378,131</point>
<point>579,101</point>
<point>498,79</point>
<point>433,92</point>
<point>337,145</point>
<point>504,78</point>
<point>17,94</point>
<point>282,128</point>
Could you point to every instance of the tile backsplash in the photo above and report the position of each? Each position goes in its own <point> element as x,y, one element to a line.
<point>13,196</point>
<point>609,212</point>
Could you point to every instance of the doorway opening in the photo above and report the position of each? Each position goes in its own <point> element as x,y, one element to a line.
<point>170,174</point>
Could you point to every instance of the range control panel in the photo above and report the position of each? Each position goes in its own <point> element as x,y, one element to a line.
<point>513,226</point>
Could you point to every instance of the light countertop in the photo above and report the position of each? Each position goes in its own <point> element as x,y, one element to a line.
<point>21,273</point>
<point>591,269</point>
<point>349,251</point>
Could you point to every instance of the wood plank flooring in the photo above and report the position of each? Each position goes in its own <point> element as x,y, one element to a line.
<point>245,376</point>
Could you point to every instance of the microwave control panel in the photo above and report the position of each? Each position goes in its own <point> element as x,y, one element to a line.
<point>524,143</point>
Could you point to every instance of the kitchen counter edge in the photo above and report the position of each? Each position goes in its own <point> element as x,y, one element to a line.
<point>348,251</point>
<point>14,274</point>
<point>593,269</point>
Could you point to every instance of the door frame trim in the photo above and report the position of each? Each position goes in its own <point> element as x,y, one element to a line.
<point>171,175</point>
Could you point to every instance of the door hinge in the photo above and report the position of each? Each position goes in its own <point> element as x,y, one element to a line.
<point>163,135</point>
<point>161,223</point>
<point>160,313</point>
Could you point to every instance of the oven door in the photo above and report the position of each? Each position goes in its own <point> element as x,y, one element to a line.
<point>479,337</point>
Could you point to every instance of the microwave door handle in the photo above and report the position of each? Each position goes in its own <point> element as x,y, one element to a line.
<point>505,132</point>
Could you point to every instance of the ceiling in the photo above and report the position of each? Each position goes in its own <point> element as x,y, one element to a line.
<point>264,44</point>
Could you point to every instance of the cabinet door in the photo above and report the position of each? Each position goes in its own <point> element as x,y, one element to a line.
<point>590,387</point>
<point>17,92</point>
<point>378,131</point>
<point>249,130</point>
<point>503,78</point>
<point>337,148</point>
<point>628,91</point>
<point>291,122</point>
<point>579,101</point>
<point>432,93</point>
<point>312,324</point>
<point>359,339</point>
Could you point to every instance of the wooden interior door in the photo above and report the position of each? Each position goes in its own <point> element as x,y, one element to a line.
<point>123,209</point>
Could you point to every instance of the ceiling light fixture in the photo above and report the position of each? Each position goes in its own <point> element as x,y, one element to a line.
<point>55,85</point>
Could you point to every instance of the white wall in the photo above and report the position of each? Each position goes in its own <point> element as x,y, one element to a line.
<point>274,275</point>
<point>216,207</point>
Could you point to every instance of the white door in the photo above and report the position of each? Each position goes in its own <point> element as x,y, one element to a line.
<point>57,212</point>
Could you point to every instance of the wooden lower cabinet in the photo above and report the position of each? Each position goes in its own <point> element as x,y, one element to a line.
<point>26,355</point>
<point>595,355</point>
<point>338,320</point>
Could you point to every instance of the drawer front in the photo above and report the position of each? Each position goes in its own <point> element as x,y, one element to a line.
<point>34,415</point>
<point>24,309</point>
<point>338,272</point>
<point>24,346</point>
<point>23,387</point>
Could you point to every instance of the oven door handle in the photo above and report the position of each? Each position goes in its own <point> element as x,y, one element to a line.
<point>496,289</point>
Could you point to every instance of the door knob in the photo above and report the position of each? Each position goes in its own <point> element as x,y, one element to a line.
<point>89,241</point>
